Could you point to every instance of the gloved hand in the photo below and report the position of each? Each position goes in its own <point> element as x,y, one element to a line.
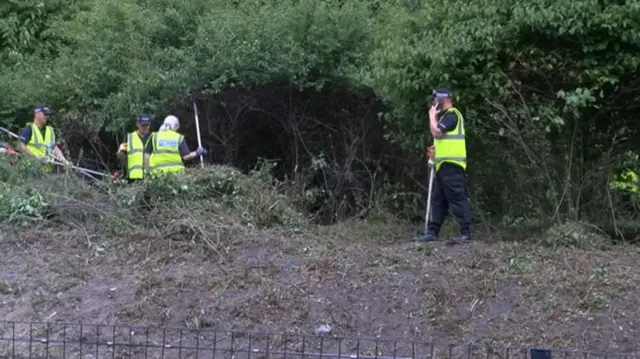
<point>430,152</point>
<point>123,147</point>
<point>201,151</point>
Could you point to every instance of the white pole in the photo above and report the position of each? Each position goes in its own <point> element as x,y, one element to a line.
<point>195,110</point>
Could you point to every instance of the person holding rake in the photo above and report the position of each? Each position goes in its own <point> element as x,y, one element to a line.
<point>449,158</point>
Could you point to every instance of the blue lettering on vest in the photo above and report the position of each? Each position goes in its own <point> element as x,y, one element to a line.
<point>167,143</point>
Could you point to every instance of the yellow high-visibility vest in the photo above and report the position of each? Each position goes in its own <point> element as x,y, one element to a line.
<point>627,181</point>
<point>166,157</point>
<point>452,147</point>
<point>135,155</point>
<point>39,146</point>
<point>42,147</point>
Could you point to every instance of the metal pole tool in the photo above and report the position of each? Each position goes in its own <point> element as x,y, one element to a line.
<point>195,110</point>
<point>423,237</point>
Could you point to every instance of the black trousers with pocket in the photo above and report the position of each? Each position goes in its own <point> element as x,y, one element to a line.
<point>449,193</point>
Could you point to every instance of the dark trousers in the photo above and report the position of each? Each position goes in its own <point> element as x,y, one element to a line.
<point>449,192</point>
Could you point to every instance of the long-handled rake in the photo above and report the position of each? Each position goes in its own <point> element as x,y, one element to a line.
<point>85,171</point>
<point>423,237</point>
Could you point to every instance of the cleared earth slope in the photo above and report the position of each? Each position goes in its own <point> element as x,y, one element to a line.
<point>358,278</point>
<point>225,251</point>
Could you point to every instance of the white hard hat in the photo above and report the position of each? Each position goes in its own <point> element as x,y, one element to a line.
<point>172,121</point>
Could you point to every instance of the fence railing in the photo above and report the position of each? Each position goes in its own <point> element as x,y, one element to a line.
<point>36,340</point>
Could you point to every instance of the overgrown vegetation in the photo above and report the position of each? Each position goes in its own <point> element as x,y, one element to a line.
<point>332,94</point>
<point>334,91</point>
<point>203,204</point>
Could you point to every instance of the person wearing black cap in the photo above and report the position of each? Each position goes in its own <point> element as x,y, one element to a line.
<point>38,139</point>
<point>132,149</point>
<point>449,152</point>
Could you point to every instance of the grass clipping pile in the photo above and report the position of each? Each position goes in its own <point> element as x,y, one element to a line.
<point>219,249</point>
<point>205,203</point>
<point>212,203</point>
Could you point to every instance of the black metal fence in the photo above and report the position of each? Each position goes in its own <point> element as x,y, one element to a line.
<point>82,341</point>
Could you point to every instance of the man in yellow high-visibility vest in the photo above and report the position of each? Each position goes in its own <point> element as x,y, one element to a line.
<point>38,139</point>
<point>166,149</point>
<point>449,152</point>
<point>132,149</point>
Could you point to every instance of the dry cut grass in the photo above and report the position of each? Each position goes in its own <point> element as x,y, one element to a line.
<point>359,278</point>
<point>225,251</point>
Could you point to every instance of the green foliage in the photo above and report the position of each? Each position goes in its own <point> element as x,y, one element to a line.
<point>17,172</point>
<point>218,191</point>
<point>213,199</point>
<point>24,28</point>
<point>131,56</point>
<point>305,42</point>
<point>539,82</point>
<point>547,88</point>
<point>486,50</point>
<point>18,207</point>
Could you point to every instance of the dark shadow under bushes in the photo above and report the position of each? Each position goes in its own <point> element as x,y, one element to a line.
<point>329,145</point>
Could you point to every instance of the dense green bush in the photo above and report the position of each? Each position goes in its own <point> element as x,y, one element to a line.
<point>547,87</point>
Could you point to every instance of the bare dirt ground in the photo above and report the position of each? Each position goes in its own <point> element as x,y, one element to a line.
<point>360,279</point>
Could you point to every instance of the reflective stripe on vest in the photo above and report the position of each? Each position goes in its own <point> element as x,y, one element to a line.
<point>42,147</point>
<point>135,156</point>
<point>451,147</point>
<point>166,156</point>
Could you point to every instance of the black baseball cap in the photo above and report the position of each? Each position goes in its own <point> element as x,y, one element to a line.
<point>44,109</point>
<point>144,119</point>
<point>439,93</point>
<point>442,92</point>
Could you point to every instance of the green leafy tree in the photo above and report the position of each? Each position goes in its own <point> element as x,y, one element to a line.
<point>548,88</point>
<point>542,84</point>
